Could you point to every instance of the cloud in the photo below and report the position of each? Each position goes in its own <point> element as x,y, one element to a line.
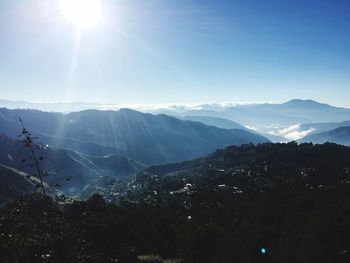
<point>251,128</point>
<point>293,132</point>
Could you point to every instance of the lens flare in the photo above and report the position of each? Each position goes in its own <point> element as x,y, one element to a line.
<point>82,14</point>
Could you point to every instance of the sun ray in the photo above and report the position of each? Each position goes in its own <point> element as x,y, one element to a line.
<point>82,14</point>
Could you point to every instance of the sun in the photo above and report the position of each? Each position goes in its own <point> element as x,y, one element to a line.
<point>82,14</point>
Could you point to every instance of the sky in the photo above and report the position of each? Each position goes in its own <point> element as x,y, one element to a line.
<point>176,52</point>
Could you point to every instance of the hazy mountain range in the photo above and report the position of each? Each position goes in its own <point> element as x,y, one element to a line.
<point>96,146</point>
<point>288,113</point>
<point>51,107</point>
<point>340,135</point>
<point>291,112</point>
<point>147,138</point>
<point>287,121</point>
<point>217,122</point>
<point>322,127</point>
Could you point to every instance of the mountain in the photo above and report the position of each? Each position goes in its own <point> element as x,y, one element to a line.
<point>288,113</point>
<point>291,112</point>
<point>13,184</point>
<point>265,203</point>
<point>147,138</point>
<point>83,169</point>
<point>268,119</point>
<point>53,107</point>
<point>339,135</point>
<point>268,161</point>
<point>217,122</point>
<point>244,169</point>
<point>307,109</point>
<point>323,126</point>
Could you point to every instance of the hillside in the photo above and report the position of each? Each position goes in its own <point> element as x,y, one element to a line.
<point>279,122</point>
<point>13,184</point>
<point>217,122</point>
<point>283,114</point>
<point>267,203</point>
<point>149,139</point>
<point>339,135</point>
<point>322,126</point>
<point>248,168</point>
<point>82,168</point>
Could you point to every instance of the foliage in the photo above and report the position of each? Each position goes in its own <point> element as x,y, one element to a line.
<point>33,157</point>
<point>292,200</point>
<point>33,160</point>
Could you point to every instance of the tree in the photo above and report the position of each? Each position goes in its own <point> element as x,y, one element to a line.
<point>34,160</point>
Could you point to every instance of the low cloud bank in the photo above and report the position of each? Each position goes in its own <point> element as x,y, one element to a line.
<point>292,133</point>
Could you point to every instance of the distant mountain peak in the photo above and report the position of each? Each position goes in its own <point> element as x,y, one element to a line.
<point>127,110</point>
<point>305,103</point>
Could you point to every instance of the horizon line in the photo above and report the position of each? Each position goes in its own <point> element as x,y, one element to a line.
<point>155,106</point>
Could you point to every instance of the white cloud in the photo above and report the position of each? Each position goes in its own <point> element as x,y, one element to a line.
<point>251,128</point>
<point>293,132</point>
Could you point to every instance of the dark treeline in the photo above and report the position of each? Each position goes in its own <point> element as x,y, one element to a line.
<point>266,203</point>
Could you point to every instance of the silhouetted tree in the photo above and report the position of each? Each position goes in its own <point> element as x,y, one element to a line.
<point>34,161</point>
<point>34,157</point>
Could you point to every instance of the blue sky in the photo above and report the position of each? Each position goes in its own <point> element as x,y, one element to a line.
<point>178,52</point>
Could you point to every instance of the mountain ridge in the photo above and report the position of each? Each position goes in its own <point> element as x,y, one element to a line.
<point>147,138</point>
<point>67,107</point>
<point>80,168</point>
<point>339,135</point>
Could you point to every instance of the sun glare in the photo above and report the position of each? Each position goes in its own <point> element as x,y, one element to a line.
<point>82,14</point>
